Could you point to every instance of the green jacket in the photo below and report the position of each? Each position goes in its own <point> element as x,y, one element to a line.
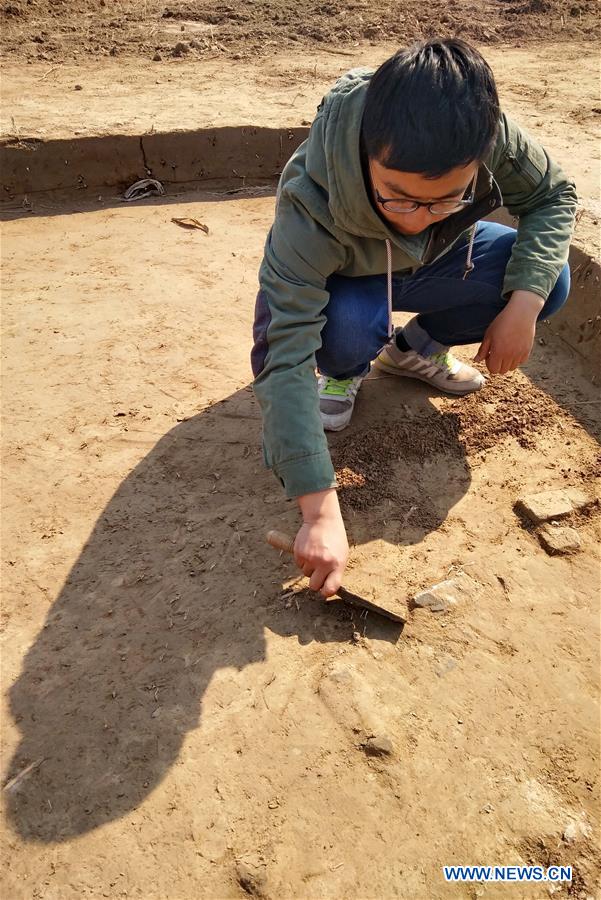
<point>325,223</point>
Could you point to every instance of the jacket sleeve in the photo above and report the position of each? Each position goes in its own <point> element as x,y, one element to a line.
<point>536,190</point>
<point>299,256</point>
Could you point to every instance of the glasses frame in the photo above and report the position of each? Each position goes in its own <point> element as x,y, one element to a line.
<point>416,204</point>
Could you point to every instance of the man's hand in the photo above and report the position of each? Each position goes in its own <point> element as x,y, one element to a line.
<point>321,546</point>
<point>509,338</point>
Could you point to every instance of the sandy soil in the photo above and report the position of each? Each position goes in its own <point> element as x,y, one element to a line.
<point>194,729</point>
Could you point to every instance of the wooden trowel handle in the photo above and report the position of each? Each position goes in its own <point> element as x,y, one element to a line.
<point>281,541</point>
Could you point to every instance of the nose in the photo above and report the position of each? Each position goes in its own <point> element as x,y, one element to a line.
<point>422,218</point>
<point>418,221</point>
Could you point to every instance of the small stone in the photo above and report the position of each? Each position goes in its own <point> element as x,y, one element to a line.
<point>78,87</point>
<point>576,829</point>
<point>429,600</point>
<point>157,57</point>
<point>273,804</point>
<point>559,539</point>
<point>378,745</point>
<point>546,505</point>
<point>181,48</point>
<point>447,593</point>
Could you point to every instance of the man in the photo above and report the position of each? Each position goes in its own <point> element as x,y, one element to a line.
<point>380,210</point>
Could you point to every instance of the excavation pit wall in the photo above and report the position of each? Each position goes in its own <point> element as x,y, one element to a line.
<point>230,159</point>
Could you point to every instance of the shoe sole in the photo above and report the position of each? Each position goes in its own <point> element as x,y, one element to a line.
<point>392,370</point>
<point>328,427</point>
<point>336,427</point>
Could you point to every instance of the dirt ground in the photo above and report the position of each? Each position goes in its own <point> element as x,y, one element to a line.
<point>196,730</point>
<point>60,30</point>
<point>181,717</point>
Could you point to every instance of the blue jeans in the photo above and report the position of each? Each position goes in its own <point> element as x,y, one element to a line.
<point>450,310</point>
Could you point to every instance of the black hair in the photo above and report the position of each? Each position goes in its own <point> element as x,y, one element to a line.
<point>431,108</point>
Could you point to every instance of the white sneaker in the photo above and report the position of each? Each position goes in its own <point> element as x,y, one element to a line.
<point>337,400</point>
<point>442,370</point>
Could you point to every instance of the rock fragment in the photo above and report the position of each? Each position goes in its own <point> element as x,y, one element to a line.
<point>181,49</point>
<point>441,596</point>
<point>559,539</point>
<point>549,505</point>
<point>578,499</point>
<point>378,745</point>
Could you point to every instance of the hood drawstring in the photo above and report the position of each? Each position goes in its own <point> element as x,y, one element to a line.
<point>469,266</point>
<point>389,286</point>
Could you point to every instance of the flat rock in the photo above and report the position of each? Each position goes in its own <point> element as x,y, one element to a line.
<point>551,505</point>
<point>578,499</point>
<point>441,596</point>
<point>559,539</point>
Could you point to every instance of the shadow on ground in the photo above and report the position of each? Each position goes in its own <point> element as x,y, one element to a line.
<point>174,583</point>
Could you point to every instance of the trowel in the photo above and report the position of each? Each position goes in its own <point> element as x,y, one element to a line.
<point>284,542</point>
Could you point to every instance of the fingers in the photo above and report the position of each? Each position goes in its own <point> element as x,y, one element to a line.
<point>322,578</point>
<point>317,578</point>
<point>326,581</point>
<point>484,350</point>
<point>501,365</point>
<point>332,583</point>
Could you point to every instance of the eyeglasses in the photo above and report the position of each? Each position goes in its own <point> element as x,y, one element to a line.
<point>438,208</point>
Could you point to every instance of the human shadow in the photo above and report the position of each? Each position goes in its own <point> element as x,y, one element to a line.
<point>174,583</point>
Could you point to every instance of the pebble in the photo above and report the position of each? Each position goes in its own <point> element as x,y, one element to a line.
<point>157,57</point>
<point>378,745</point>
<point>557,539</point>
<point>181,48</point>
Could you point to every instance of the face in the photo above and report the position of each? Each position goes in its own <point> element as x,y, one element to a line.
<point>390,183</point>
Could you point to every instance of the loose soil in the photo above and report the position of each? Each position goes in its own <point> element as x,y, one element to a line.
<point>57,30</point>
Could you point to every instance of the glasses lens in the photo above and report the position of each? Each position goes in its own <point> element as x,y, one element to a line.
<point>445,207</point>
<point>400,206</point>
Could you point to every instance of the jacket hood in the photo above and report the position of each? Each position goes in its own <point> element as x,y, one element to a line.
<point>335,162</point>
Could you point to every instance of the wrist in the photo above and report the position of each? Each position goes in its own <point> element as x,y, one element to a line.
<point>527,302</point>
<point>320,506</point>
